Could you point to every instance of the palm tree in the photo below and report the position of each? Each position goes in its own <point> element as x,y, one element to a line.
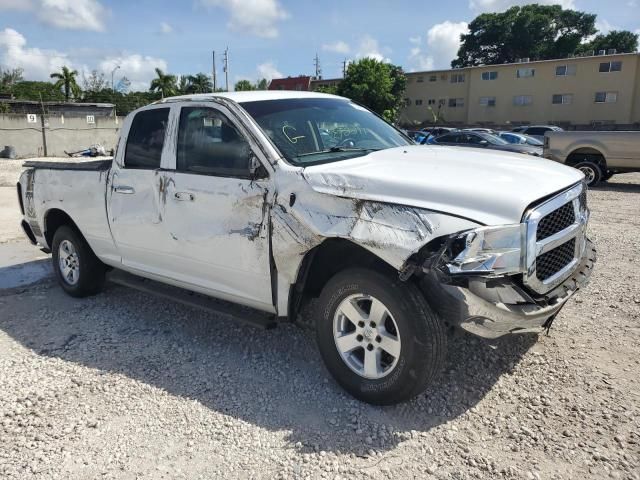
<point>199,83</point>
<point>164,83</point>
<point>66,80</point>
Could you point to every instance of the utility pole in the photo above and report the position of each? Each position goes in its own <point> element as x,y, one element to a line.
<point>214,71</point>
<point>226,68</point>
<point>344,68</point>
<point>316,62</point>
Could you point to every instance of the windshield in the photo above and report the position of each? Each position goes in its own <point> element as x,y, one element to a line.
<point>534,141</point>
<point>309,131</point>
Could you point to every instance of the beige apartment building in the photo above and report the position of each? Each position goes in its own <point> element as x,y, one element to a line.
<point>594,90</point>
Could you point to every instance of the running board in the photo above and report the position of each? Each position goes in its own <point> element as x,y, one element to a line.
<point>187,297</point>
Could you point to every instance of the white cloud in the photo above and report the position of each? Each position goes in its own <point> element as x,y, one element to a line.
<point>604,26</point>
<point>440,48</point>
<point>37,63</point>
<point>337,47</point>
<point>64,14</point>
<point>165,28</point>
<point>269,71</point>
<point>502,5</point>
<point>369,48</point>
<point>139,69</point>
<point>258,17</point>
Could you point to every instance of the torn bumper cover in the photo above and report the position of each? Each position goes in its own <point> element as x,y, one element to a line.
<point>493,307</point>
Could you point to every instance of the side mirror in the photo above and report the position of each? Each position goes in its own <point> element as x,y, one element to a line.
<point>256,169</point>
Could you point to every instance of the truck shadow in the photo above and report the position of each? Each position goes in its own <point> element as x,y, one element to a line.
<point>272,379</point>
<point>617,187</point>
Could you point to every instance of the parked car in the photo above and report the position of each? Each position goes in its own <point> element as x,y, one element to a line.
<point>537,131</point>
<point>437,131</point>
<point>481,130</point>
<point>484,140</point>
<point>235,196</point>
<point>417,136</point>
<point>599,155</point>
<point>520,139</point>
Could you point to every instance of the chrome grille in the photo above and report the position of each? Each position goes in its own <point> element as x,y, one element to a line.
<point>556,239</point>
<point>550,263</point>
<point>556,221</point>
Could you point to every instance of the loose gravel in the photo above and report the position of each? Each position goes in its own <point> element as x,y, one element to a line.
<point>126,386</point>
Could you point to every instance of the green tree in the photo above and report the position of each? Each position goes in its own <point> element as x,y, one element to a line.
<point>539,32</point>
<point>244,86</point>
<point>200,83</point>
<point>8,78</point>
<point>621,40</point>
<point>30,90</point>
<point>377,85</point>
<point>263,84</point>
<point>95,82</point>
<point>66,81</point>
<point>164,83</point>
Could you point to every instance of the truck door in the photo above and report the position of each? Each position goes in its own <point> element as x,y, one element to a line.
<point>136,193</point>
<point>217,211</point>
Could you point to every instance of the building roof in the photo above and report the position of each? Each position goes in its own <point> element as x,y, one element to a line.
<point>495,65</point>
<point>252,96</point>
<point>56,104</point>
<point>291,83</point>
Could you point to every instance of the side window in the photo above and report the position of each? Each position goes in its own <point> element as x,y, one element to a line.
<point>451,138</point>
<point>536,131</point>
<point>146,138</point>
<point>209,144</point>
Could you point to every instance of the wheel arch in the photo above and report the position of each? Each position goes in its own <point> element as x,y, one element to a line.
<point>324,261</point>
<point>55,218</point>
<point>587,153</point>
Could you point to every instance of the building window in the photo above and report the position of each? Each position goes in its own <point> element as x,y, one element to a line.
<point>432,101</point>
<point>420,79</point>
<point>526,72</point>
<point>407,102</point>
<point>456,102</point>
<point>442,102</point>
<point>457,78</point>
<point>562,99</point>
<point>607,67</point>
<point>489,75</point>
<point>522,100</point>
<point>565,70</point>
<point>488,101</point>
<point>418,103</point>
<point>606,97</point>
<point>433,78</point>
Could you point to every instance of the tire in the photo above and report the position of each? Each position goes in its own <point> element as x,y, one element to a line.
<point>591,170</point>
<point>407,318</point>
<point>608,175</point>
<point>78,270</point>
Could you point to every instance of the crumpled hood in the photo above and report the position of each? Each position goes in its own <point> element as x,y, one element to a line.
<point>488,186</point>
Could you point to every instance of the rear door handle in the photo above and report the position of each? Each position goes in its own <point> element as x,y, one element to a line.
<point>184,197</point>
<point>123,189</point>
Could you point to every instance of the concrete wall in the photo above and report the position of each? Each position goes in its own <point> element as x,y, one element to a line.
<point>62,133</point>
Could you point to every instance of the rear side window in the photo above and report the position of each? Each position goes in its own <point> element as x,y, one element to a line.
<point>537,131</point>
<point>146,138</point>
<point>209,144</point>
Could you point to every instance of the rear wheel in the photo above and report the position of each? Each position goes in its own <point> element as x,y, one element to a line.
<point>592,171</point>
<point>78,270</point>
<point>378,336</point>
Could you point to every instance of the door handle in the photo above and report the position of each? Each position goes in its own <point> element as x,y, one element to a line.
<point>184,197</point>
<point>123,189</point>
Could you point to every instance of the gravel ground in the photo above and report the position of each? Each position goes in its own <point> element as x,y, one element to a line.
<point>124,385</point>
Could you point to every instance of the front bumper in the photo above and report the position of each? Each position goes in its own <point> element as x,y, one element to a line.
<point>491,308</point>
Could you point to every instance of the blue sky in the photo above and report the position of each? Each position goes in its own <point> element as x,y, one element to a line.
<point>266,38</point>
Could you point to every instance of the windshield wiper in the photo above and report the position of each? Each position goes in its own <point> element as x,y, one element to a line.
<point>338,149</point>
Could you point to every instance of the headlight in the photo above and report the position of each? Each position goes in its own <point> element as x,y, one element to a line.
<point>491,251</point>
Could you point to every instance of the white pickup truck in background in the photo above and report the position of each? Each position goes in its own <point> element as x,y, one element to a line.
<point>599,155</point>
<point>269,199</point>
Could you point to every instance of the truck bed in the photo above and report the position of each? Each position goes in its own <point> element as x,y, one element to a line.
<point>92,166</point>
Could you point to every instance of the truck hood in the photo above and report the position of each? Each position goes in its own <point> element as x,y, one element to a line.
<point>488,186</point>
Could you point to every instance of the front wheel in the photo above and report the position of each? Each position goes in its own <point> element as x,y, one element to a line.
<point>79,272</point>
<point>592,172</point>
<point>378,336</point>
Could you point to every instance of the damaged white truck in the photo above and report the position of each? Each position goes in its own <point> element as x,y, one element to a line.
<point>269,200</point>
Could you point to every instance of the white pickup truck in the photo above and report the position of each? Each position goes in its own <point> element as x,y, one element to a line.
<point>270,199</point>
